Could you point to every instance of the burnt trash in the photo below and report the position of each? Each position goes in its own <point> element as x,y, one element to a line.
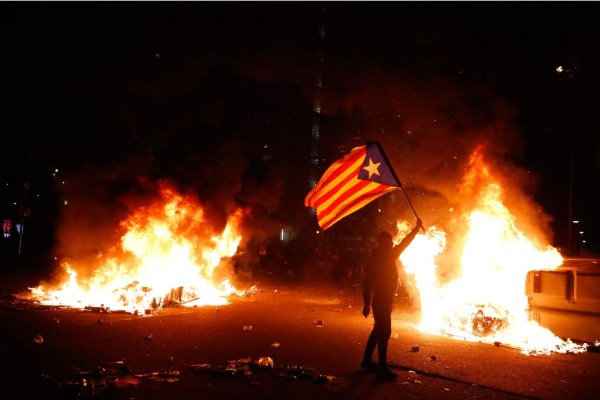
<point>321,378</point>
<point>122,381</point>
<point>174,298</point>
<point>296,372</point>
<point>93,375</point>
<point>265,362</point>
<point>415,348</point>
<point>200,367</point>
<point>235,367</point>
<point>116,374</point>
<point>243,366</point>
<point>38,339</point>
<point>85,383</point>
<point>485,325</point>
<point>76,388</point>
<point>120,366</point>
<point>247,367</point>
<point>96,309</point>
<point>249,292</point>
<point>209,369</point>
<point>159,374</point>
<point>301,372</point>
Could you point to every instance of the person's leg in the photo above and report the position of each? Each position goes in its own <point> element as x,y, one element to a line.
<point>384,332</point>
<point>367,361</point>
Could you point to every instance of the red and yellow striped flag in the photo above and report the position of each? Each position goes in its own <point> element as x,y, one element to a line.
<point>351,183</point>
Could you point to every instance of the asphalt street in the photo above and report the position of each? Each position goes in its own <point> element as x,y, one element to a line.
<point>281,341</point>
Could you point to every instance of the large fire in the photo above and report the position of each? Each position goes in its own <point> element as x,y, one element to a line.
<point>163,259</point>
<point>168,253</point>
<point>486,300</point>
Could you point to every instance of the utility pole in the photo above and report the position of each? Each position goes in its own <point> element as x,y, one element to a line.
<point>23,212</point>
<point>570,204</point>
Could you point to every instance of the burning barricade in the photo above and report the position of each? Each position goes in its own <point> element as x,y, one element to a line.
<point>169,256</point>
<point>473,286</point>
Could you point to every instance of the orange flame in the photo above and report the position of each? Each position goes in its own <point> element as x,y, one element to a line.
<point>168,253</point>
<point>486,301</point>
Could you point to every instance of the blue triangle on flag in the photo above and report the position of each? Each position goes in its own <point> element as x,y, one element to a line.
<point>376,167</point>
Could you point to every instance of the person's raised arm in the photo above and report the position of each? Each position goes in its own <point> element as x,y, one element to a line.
<point>408,238</point>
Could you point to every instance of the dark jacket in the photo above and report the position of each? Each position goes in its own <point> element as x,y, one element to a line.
<point>381,275</point>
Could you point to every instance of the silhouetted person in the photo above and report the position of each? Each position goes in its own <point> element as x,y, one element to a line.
<point>379,287</point>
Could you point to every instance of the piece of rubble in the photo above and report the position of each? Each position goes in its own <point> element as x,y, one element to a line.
<point>266,362</point>
<point>97,309</point>
<point>209,369</point>
<point>325,378</point>
<point>294,372</point>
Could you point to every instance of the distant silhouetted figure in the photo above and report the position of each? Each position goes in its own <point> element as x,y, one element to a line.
<point>379,287</point>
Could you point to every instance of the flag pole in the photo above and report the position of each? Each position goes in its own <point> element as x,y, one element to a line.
<point>411,206</point>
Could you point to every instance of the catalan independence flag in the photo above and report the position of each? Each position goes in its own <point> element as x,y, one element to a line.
<point>351,183</point>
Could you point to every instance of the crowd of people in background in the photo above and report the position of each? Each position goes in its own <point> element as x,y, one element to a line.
<point>295,261</point>
<point>299,262</point>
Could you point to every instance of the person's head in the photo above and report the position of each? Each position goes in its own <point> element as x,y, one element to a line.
<point>385,239</point>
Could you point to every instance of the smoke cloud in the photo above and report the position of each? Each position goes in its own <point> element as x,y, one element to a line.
<point>223,111</point>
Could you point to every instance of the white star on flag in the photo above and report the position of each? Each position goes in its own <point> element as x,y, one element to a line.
<point>372,168</point>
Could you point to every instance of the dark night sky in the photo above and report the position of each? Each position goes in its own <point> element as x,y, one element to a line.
<point>115,94</point>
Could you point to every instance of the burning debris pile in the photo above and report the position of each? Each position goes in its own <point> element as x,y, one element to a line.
<point>169,255</point>
<point>483,297</point>
<point>484,325</point>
